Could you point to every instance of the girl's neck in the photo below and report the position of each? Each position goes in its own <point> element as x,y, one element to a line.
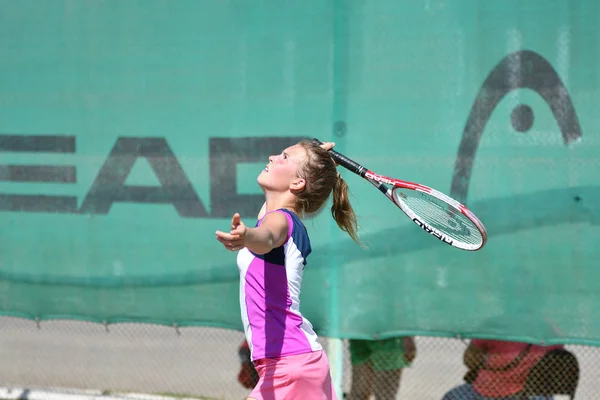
<point>275,201</point>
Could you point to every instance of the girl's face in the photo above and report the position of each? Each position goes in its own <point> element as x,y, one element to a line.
<point>281,173</point>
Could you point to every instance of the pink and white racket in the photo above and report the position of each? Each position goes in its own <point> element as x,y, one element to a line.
<point>433,211</point>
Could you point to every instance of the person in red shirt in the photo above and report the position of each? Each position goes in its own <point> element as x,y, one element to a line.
<point>502,368</point>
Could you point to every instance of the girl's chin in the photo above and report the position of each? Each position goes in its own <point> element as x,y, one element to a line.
<point>264,185</point>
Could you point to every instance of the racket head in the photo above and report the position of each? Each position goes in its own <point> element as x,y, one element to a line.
<point>441,216</point>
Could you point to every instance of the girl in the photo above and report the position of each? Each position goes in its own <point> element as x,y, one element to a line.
<point>290,361</point>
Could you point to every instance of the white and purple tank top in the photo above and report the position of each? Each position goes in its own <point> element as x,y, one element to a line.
<point>270,296</point>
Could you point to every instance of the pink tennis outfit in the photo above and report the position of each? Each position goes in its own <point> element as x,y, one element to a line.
<point>289,360</point>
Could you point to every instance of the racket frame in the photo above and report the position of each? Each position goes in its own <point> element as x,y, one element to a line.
<point>381,182</point>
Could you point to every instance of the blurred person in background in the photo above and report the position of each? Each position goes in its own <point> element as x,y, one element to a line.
<point>377,366</point>
<point>498,370</point>
<point>247,375</point>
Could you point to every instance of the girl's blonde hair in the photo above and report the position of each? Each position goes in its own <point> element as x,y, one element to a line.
<point>321,176</point>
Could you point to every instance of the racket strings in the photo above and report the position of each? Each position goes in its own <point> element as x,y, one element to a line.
<point>441,216</point>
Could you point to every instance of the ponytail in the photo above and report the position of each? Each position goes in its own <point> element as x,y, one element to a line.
<point>342,210</point>
<point>321,175</point>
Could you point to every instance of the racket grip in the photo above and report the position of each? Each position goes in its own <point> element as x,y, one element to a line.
<point>345,162</point>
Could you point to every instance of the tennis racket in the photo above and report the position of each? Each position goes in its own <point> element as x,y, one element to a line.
<point>433,211</point>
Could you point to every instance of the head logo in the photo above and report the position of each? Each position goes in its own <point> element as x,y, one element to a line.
<point>522,69</point>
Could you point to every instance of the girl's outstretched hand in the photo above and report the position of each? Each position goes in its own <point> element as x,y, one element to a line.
<point>236,239</point>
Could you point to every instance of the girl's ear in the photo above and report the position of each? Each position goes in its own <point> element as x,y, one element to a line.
<point>297,184</point>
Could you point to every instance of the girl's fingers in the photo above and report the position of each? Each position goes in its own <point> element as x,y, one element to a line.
<point>227,236</point>
<point>231,242</point>
<point>235,221</point>
<point>234,247</point>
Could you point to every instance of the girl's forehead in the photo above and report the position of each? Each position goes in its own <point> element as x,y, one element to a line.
<point>296,151</point>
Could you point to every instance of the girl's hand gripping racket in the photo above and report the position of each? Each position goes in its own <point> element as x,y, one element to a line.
<point>433,211</point>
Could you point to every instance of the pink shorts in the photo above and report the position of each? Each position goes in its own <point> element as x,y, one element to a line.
<point>303,376</point>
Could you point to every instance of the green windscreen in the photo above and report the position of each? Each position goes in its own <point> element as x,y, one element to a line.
<point>131,131</point>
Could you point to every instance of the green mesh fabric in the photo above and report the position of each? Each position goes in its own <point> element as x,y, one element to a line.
<point>132,131</point>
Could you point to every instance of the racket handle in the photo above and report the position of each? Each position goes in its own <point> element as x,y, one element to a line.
<point>345,161</point>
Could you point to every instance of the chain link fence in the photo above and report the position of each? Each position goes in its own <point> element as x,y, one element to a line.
<point>204,362</point>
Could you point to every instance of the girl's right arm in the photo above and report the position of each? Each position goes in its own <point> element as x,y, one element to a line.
<point>271,233</point>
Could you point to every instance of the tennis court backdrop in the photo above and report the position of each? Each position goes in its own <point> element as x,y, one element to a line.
<point>132,130</point>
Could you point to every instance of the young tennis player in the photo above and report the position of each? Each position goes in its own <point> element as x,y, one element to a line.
<point>290,362</point>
